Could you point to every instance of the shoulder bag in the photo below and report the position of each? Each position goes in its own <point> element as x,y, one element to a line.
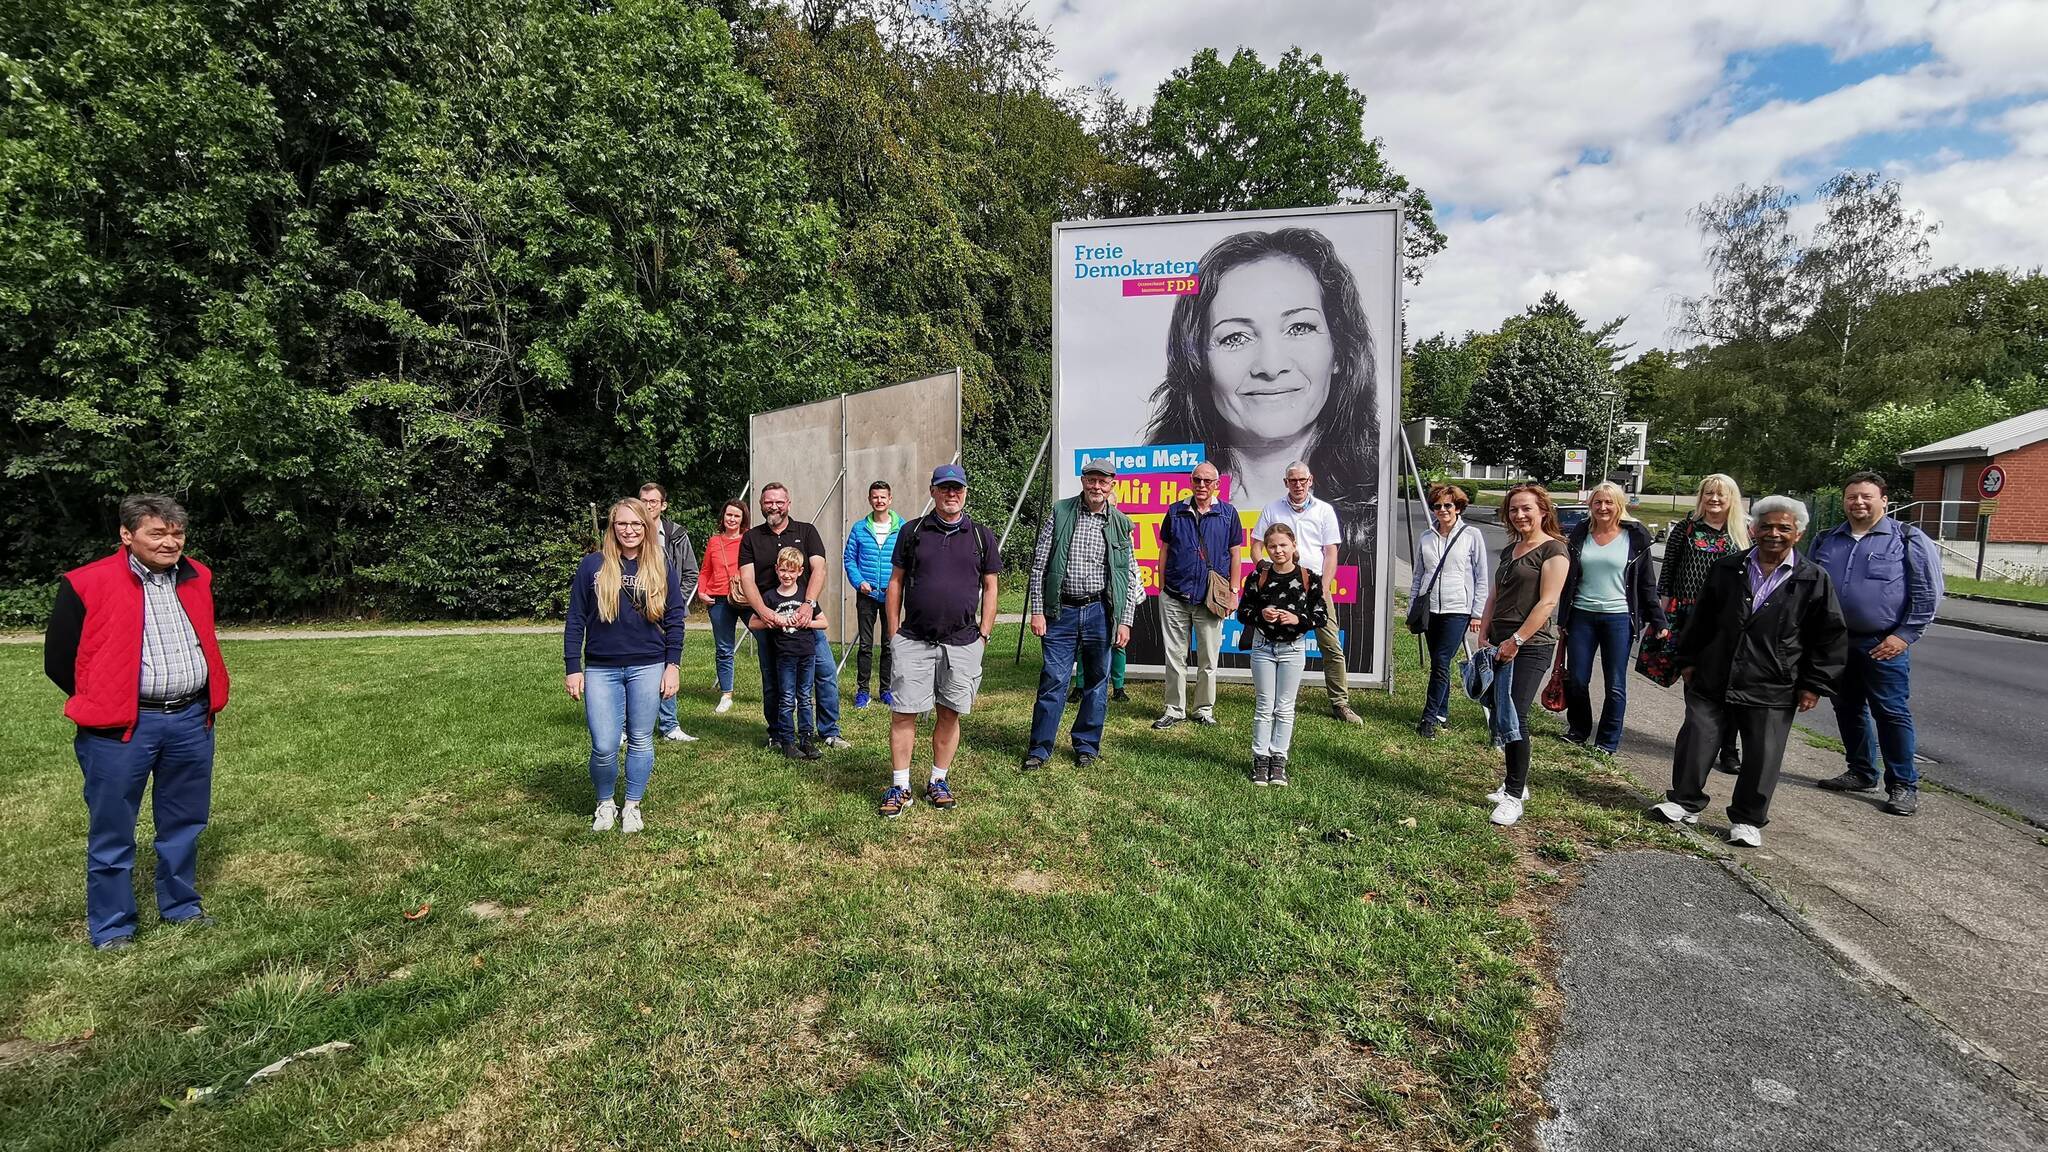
<point>1220,600</point>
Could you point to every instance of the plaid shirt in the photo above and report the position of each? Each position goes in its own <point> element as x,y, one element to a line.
<point>173,666</point>
<point>1087,564</point>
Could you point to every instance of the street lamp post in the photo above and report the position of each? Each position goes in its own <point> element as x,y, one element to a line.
<point>1607,435</point>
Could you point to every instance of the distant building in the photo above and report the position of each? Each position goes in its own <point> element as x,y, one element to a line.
<point>1947,479</point>
<point>1629,468</point>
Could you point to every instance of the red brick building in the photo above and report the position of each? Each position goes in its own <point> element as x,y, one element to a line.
<point>1947,476</point>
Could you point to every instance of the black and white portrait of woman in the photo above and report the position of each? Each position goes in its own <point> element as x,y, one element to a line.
<point>1272,362</point>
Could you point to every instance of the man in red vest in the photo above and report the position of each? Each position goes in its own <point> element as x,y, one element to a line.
<point>131,643</point>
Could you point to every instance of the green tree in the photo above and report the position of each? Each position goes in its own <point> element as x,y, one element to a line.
<point>1891,429</point>
<point>1540,394</point>
<point>1241,135</point>
<point>1441,375</point>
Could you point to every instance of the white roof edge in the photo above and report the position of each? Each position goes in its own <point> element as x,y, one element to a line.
<point>1990,440</point>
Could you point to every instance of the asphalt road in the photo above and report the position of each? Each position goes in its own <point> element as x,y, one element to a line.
<point>1980,707</point>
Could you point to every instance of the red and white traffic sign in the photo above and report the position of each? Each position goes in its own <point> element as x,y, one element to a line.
<point>1991,483</point>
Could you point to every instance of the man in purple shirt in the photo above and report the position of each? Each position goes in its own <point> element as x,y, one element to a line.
<point>941,608</point>
<point>1888,577</point>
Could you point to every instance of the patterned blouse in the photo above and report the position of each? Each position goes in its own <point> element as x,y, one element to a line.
<point>1285,591</point>
<point>1692,548</point>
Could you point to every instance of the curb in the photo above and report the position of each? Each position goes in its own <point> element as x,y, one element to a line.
<point>1994,629</point>
<point>2002,601</point>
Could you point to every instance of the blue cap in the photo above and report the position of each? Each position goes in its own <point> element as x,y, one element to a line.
<point>949,474</point>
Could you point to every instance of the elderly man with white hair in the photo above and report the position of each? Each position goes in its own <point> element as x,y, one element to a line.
<point>1766,639</point>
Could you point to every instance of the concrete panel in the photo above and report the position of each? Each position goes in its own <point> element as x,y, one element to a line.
<point>898,434</point>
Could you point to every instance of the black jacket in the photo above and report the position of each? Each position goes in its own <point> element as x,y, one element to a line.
<point>1638,580</point>
<point>1796,643</point>
<point>682,560</point>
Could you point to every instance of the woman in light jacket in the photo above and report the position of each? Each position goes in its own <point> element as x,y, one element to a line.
<point>1450,569</point>
<point>1610,594</point>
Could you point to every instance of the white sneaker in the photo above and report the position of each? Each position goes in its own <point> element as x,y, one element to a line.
<point>1748,834</point>
<point>679,734</point>
<point>1672,812</point>
<point>1507,811</point>
<point>630,821</point>
<point>836,742</point>
<point>1501,793</point>
<point>607,815</point>
<point>724,704</point>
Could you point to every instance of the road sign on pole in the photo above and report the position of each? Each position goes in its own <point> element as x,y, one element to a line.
<point>1575,461</point>
<point>1991,483</point>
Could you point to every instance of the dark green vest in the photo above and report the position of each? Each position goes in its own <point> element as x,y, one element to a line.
<point>1065,514</point>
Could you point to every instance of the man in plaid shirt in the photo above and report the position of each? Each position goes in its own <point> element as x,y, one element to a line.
<point>1084,576</point>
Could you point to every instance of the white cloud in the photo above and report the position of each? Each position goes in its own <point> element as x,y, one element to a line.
<point>1490,104</point>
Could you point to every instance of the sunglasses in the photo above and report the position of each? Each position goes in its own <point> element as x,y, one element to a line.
<point>1203,481</point>
<point>1445,507</point>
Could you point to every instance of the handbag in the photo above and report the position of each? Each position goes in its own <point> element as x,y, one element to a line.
<point>1553,692</point>
<point>1418,608</point>
<point>1658,659</point>
<point>1220,600</point>
<point>735,594</point>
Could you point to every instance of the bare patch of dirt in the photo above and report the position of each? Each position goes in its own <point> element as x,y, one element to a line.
<point>1245,1088</point>
<point>1031,882</point>
<point>492,910</point>
<point>494,1114</point>
<point>20,1050</point>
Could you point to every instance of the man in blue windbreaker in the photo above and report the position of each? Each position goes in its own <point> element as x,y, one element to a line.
<point>869,545</point>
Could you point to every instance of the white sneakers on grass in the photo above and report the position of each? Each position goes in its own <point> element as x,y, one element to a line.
<point>630,821</point>
<point>607,815</point>
<point>1672,812</point>
<point>1501,793</point>
<point>724,704</point>
<point>836,742</point>
<point>679,734</point>
<point>1747,834</point>
<point>1508,810</point>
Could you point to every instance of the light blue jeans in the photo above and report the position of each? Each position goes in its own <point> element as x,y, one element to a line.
<point>1276,680</point>
<point>616,699</point>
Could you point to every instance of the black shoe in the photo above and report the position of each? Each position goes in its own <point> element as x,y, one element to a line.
<point>1848,782</point>
<point>114,944</point>
<point>809,750</point>
<point>1120,696</point>
<point>201,920</point>
<point>1164,722</point>
<point>793,750</point>
<point>1260,767</point>
<point>1732,765</point>
<point>1427,729</point>
<point>1276,771</point>
<point>1085,759</point>
<point>1204,720</point>
<point>1902,801</point>
<point>1033,763</point>
<point>1574,738</point>
<point>1073,693</point>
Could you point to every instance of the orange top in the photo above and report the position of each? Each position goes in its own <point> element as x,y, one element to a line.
<point>721,564</point>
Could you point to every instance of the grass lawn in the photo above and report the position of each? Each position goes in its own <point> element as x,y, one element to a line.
<point>770,964</point>
<point>2003,589</point>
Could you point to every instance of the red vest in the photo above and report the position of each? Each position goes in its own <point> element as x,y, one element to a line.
<point>109,664</point>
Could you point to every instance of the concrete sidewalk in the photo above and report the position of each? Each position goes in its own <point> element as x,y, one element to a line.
<point>1949,908</point>
<point>1697,1015</point>
<point>2027,623</point>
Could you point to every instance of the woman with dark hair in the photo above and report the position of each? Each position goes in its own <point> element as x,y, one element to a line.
<point>1518,625</point>
<point>720,568</point>
<point>1270,362</point>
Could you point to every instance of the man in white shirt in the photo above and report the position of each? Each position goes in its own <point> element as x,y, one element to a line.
<point>1316,533</point>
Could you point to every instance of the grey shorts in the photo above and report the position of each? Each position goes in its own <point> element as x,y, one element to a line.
<point>922,674</point>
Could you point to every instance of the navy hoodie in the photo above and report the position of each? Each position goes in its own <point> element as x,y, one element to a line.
<point>630,639</point>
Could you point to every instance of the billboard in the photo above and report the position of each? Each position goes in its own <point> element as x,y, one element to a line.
<point>828,451</point>
<point>1251,340</point>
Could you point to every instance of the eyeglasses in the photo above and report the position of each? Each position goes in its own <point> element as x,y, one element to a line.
<point>1203,481</point>
<point>1445,507</point>
<point>1291,481</point>
<point>635,525</point>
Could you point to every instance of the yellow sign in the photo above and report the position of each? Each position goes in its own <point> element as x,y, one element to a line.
<point>1986,507</point>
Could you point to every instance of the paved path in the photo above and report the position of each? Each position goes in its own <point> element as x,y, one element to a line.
<point>1949,908</point>
<point>1984,616</point>
<point>1696,1016</point>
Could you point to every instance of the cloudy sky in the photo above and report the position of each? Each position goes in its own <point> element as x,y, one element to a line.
<point>1564,142</point>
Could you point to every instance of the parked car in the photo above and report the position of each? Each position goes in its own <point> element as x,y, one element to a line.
<point>1570,516</point>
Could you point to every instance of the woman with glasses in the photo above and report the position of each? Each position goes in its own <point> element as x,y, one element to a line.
<point>622,646</point>
<point>1450,575</point>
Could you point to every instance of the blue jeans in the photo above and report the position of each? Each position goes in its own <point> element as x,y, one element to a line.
<point>176,748</point>
<point>1276,681</point>
<point>1446,634</point>
<point>794,677</point>
<point>1084,629</point>
<point>1612,635</point>
<point>725,623</point>
<point>825,688</point>
<point>616,700</point>
<point>1877,690</point>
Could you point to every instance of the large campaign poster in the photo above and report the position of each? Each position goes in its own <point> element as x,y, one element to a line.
<point>1251,340</point>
